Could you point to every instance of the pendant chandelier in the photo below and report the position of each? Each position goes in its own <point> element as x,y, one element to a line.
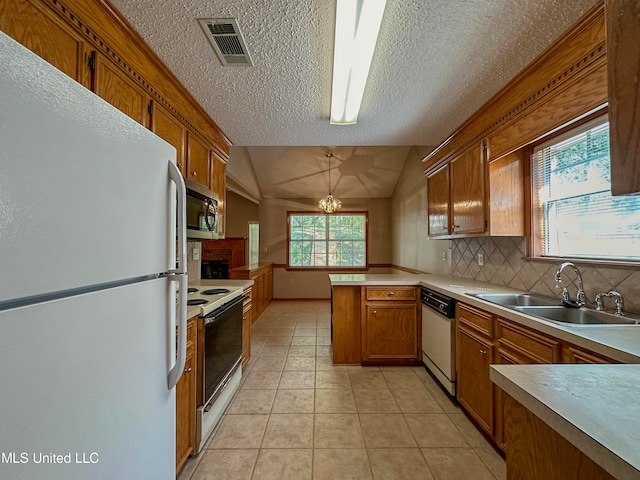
<point>329,204</point>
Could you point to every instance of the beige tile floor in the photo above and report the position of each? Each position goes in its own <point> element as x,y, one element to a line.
<point>297,417</point>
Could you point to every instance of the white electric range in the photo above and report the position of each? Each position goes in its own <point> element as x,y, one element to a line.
<point>209,298</point>
<point>219,344</point>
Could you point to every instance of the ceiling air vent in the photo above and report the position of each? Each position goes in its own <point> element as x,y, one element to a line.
<point>226,38</point>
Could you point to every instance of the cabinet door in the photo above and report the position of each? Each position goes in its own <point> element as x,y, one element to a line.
<point>170,129</point>
<point>390,332</point>
<point>198,160</point>
<point>474,389</point>
<point>113,85</point>
<point>47,36</point>
<point>468,193</point>
<point>438,202</point>
<point>623,70</point>
<point>219,186</point>
<point>185,413</point>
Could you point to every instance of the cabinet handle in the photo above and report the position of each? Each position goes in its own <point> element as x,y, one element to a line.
<point>188,370</point>
<point>180,165</point>
<point>444,227</point>
<point>391,294</point>
<point>375,311</point>
<point>483,352</point>
<point>456,226</point>
<point>195,174</point>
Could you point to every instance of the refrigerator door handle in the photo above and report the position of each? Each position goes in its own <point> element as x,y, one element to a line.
<point>176,372</point>
<point>176,177</point>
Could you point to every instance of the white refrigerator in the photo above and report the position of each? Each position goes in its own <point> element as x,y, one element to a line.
<point>92,253</point>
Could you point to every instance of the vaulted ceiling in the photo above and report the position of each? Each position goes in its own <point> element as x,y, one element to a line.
<point>436,62</point>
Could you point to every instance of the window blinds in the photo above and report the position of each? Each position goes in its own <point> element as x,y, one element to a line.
<point>574,213</point>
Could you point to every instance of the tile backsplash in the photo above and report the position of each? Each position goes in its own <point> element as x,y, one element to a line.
<point>504,264</point>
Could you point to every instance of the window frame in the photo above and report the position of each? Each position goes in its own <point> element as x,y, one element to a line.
<point>329,268</point>
<point>534,244</point>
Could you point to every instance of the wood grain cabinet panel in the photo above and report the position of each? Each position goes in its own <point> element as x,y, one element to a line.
<point>345,324</point>
<point>391,294</point>
<point>623,72</point>
<point>113,85</point>
<point>171,130</point>
<point>44,33</point>
<point>390,332</point>
<point>246,326</point>
<point>468,193</point>
<point>198,160</point>
<point>536,451</point>
<point>186,401</point>
<point>474,389</point>
<point>438,205</point>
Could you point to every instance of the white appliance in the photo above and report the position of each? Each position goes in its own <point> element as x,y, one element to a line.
<point>219,353</point>
<point>88,356</point>
<point>439,337</point>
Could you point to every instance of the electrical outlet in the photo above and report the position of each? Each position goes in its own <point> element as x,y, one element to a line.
<point>265,249</point>
<point>480,259</point>
<point>444,256</point>
<point>196,254</point>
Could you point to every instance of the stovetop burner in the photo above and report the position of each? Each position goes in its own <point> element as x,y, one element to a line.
<point>192,290</point>
<point>197,301</point>
<point>216,291</point>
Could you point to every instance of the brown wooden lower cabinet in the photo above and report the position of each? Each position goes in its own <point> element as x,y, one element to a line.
<point>246,326</point>
<point>262,276</point>
<point>390,327</point>
<point>535,451</point>
<point>474,387</point>
<point>186,401</point>
<point>505,342</point>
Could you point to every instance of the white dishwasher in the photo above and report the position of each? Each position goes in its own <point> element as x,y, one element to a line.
<point>439,337</point>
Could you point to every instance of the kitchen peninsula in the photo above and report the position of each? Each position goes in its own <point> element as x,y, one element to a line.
<point>563,395</point>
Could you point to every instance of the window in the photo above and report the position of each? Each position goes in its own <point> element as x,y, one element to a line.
<point>327,241</point>
<point>574,213</point>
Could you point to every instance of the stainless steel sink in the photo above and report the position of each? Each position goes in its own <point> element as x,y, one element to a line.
<point>578,316</point>
<point>517,299</point>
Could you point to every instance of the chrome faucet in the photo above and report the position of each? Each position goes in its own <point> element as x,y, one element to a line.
<point>617,299</point>
<point>581,298</point>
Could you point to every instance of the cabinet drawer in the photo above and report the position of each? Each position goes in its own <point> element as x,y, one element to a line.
<point>536,347</point>
<point>477,319</point>
<point>391,293</point>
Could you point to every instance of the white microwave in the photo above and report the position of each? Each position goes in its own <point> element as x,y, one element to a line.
<point>202,212</point>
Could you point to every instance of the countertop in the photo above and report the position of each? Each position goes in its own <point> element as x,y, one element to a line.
<point>595,407</point>
<point>621,343</point>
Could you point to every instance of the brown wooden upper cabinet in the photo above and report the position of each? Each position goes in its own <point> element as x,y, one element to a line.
<point>198,160</point>
<point>120,90</point>
<point>170,129</point>
<point>472,197</point>
<point>438,202</point>
<point>45,34</point>
<point>219,186</point>
<point>456,196</point>
<point>623,71</point>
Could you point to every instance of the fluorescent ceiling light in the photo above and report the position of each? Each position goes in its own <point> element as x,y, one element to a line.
<point>357,26</point>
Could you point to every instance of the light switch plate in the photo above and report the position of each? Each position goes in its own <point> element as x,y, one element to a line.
<point>196,254</point>
<point>480,259</point>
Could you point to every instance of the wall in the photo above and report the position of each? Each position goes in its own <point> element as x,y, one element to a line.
<point>505,265</point>
<point>273,242</point>
<point>410,246</point>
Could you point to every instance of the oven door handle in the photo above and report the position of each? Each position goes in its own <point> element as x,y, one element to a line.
<point>216,314</point>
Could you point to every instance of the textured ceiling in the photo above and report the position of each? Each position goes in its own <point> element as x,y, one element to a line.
<point>435,63</point>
